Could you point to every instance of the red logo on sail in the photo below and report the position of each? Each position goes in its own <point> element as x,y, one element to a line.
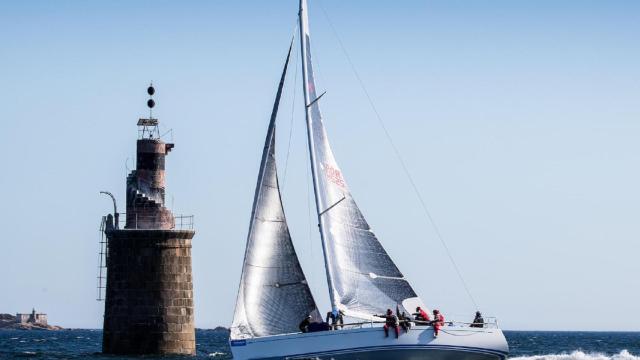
<point>334,175</point>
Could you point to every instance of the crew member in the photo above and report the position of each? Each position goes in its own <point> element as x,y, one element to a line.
<point>405,321</point>
<point>438,322</point>
<point>421,315</point>
<point>390,321</point>
<point>304,325</point>
<point>336,321</point>
<point>478,321</point>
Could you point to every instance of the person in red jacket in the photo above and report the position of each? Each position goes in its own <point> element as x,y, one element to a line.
<point>421,315</point>
<point>438,321</point>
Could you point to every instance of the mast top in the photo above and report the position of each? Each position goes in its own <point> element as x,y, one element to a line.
<point>148,128</point>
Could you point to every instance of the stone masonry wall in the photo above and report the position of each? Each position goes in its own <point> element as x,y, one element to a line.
<point>149,298</point>
<point>146,187</point>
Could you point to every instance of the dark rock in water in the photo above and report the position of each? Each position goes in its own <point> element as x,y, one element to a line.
<point>221,329</point>
<point>8,322</point>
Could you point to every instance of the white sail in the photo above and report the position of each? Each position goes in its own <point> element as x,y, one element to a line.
<point>274,295</point>
<point>363,280</point>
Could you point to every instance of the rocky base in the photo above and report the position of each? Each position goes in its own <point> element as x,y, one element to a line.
<point>8,322</point>
<point>149,295</point>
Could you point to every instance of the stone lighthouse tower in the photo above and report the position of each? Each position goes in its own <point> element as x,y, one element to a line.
<point>149,289</point>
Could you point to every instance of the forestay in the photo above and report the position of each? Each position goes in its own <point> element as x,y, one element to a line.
<point>363,280</point>
<point>274,295</point>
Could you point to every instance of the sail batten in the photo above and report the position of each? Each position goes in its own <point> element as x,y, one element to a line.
<point>273,296</point>
<point>362,278</point>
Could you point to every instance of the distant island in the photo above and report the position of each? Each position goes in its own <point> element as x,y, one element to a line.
<point>33,321</point>
<point>216,329</point>
<point>38,321</point>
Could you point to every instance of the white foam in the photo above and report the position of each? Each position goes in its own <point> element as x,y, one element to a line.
<point>217,353</point>
<point>579,355</point>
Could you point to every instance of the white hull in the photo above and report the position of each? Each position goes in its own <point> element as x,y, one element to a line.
<point>453,342</point>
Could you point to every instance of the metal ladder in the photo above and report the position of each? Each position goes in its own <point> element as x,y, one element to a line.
<point>102,260</point>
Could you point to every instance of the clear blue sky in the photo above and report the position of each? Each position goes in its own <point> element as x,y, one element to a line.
<point>519,120</point>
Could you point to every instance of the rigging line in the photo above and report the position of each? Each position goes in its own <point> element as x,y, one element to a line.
<point>401,160</point>
<point>293,108</point>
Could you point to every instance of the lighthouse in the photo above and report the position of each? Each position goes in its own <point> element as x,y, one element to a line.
<point>149,286</point>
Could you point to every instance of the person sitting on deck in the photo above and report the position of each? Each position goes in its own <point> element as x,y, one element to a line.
<point>437,323</point>
<point>405,321</point>
<point>390,320</point>
<point>478,321</point>
<point>421,315</point>
<point>319,326</point>
<point>304,325</point>
<point>308,325</point>
<point>336,320</point>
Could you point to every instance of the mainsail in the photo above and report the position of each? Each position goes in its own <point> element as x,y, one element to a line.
<point>274,295</point>
<point>363,280</point>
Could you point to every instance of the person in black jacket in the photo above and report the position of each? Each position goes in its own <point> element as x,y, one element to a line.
<point>304,325</point>
<point>405,321</point>
<point>390,321</point>
<point>478,321</point>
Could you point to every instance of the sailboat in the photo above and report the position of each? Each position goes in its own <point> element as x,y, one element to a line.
<point>363,280</point>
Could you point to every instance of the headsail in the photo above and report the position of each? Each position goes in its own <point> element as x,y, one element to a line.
<point>363,280</point>
<point>274,295</point>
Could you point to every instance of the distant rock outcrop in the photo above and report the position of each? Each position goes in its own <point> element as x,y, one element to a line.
<point>9,322</point>
<point>216,329</point>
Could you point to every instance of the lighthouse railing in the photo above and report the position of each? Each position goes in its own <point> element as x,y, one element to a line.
<point>147,222</point>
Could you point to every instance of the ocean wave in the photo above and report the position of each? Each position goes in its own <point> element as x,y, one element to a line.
<point>579,355</point>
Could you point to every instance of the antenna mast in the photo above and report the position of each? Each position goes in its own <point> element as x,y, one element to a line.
<point>150,125</point>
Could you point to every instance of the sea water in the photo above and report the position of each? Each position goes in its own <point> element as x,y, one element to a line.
<point>525,345</point>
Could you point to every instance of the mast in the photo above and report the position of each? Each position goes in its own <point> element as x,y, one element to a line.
<point>363,279</point>
<point>304,44</point>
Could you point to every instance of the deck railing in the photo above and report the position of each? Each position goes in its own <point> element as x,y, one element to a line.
<point>489,323</point>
